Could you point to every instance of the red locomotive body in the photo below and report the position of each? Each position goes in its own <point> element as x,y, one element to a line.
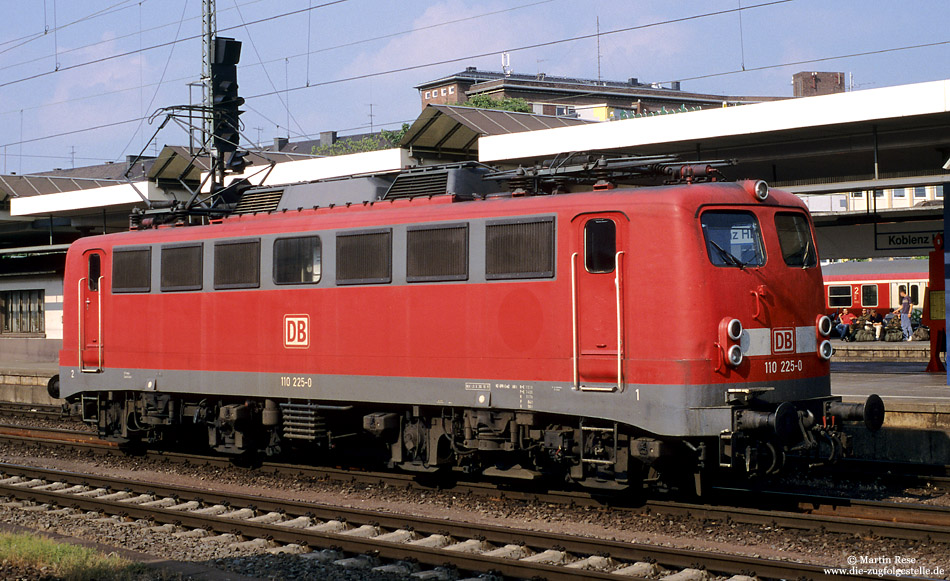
<point>530,332</point>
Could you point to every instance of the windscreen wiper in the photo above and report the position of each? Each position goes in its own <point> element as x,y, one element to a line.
<point>728,256</point>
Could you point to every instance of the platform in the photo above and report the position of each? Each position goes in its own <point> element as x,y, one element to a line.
<point>881,351</point>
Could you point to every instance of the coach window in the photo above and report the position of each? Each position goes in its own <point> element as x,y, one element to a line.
<point>364,257</point>
<point>297,260</point>
<point>600,245</point>
<point>95,271</point>
<point>868,295</point>
<point>181,267</point>
<point>839,296</point>
<point>132,270</point>
<point>733,239</point>
<point>237,264</point>
<point>435,253</point>
<point>795,239</point>
<point>519,248</point>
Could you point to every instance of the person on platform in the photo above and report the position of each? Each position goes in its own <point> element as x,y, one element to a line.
<point>905,315</point>
<point>877,321</point>
<point>859,328</point>
<point>844,327</point>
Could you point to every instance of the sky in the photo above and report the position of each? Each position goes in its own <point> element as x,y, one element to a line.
<point>83,83</point>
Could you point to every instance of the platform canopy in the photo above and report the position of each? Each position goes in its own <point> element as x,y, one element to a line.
<point>876,138</point>
<point>453,132</point>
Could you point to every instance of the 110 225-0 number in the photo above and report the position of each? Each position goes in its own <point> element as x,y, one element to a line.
<point>295,381</point>
<point>784,366</point>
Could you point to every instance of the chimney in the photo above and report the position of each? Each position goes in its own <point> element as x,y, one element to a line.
<point>675,85</point>
<point>280,143</point>
<point>327,138</point>
<point>633,81</point>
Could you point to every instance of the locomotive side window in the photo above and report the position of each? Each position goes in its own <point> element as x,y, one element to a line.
<point>237,264</point>
<point>795,239</point>
<point>868,295</point>
<point>519,249</point>
<point>839,296</point>
<point>437,253</point>
<point>600,245</point>
<point>364,257</point>
<point>181,267</point>
<point>733,239</point>
<point>297,260</point>
<point>132,270</point>
<point>94,272</point>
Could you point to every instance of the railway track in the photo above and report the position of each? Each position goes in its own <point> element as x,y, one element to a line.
<point>795,511</point>
<point>396,539</point>
<point>44,411</point>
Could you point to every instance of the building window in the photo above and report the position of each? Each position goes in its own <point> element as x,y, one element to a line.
<point>181,267</point>
<point>297,260</point>
<point>132,270</point>
<point>443,91</point>
<point>920,192</point>
<point>22,312</point>
<point>938,191</point>
<point>451,90</point>
<point>878,193</point>
<point>857,194</point>
<point>427,94</point>
<point>437,253</point>
<point>519,249</point>
<point>364,257</point>
<point>898,193</point>
<point>237,264</point>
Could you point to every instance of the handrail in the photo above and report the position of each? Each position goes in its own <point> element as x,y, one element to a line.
<point>617,281</point>
<point>80,311</point>
<point>99,309</point>
<point>574,317</point>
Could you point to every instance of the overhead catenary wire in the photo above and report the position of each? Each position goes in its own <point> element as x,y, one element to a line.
<point>162,45</point>
<point>307,54</point>
<point>549,43</point>
<point>23,40</point>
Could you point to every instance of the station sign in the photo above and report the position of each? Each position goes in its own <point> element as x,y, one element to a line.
<point>904,237</point>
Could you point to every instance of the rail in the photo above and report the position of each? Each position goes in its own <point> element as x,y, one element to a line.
<point>469,546</point>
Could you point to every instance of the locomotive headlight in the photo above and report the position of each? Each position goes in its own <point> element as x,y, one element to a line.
<point>824,325</point>
<point>734,355</point>
<point>761,190</point>
<point>825,350</point>
<point>734,329</point>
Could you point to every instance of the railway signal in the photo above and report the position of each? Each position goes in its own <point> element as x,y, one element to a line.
<point>224,96</point>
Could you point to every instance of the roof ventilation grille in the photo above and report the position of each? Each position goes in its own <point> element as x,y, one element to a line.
<point>259,201</point>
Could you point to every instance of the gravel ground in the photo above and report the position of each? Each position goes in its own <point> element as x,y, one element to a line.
<point>832,550</point>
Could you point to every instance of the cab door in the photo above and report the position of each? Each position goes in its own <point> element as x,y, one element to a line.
<point>90,311</point>
<point>597,274</point>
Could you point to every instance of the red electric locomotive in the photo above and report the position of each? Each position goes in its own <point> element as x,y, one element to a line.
<point>603,335</point>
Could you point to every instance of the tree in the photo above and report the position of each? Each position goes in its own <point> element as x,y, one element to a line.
<point>385,139</point>
<point>507,104</point>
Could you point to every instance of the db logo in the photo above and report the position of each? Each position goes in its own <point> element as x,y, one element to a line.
<point>296,331</point>
<point>783,340</point>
